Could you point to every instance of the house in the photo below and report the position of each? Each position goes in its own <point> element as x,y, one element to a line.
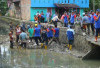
<point>28,8</point>
<point>19,9</point>
<point>58,6</point>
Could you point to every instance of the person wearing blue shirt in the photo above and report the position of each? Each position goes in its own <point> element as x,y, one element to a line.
<point>42,17</point>
<point>86,21</point>
<point>50,33</point>
<point>37,34</point>
<point>70,36</point>
<point>23,38</point>
<point>92,21</point>
<point>23,26</point>
<point>56,36</point>
<point>39,25</point>
<point>97,23</point>
<point>44,37</point>
<point>72,19</point>
<point>65,17</point>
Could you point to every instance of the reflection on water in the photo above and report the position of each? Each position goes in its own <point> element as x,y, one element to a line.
<point>21,58</point>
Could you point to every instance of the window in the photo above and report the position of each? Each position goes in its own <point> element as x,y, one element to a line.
<point>62,1</point>
<point>68,1</point>
<point>58,1</point>
<point>65,1</point>
<point>73,1</point>
<point>82,1</point>
<point>53,1</point>
<point>85,1</point>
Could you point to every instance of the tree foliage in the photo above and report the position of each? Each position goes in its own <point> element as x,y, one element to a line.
<point>95,2</point>
<point>3,6</point>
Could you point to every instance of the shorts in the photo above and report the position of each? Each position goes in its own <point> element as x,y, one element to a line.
<point>97,31</point>
<point>70,42</point>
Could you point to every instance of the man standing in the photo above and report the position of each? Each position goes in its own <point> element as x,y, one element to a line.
<point>72,19</point>
<point>44,37</point>
<point>18,31</point>
<point>56,36</point>
<point>70,35</point>
<point>37,34</point>
<point>11,38</point>
<point>86,22</point>
<point>55,20</point>
<point>65,17</point>
<point>92,22</point>
<point>50,33</point>
<point>48,16</point>
<point>42,17</point>
<point>31,31</point>
<point>97,23</point>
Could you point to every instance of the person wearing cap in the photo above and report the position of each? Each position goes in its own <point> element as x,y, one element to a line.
<point>23,38</point>
<point>97,23</point>
<point>86,22</point>
<point>44,37</point>
<point>70,36</point>
<point>65,17</point>
<point>56,36</point>
<point>37,34</point>
<point>92,21</point>
<point>72,19</point>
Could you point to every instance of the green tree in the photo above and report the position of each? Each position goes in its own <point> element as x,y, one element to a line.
<point>3,7</point>
<point>96,4</point>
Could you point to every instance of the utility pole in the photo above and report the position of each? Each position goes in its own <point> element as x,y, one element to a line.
<point>93,5</point>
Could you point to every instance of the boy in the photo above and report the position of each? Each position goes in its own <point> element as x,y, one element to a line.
<point>70,35</point>
<point>11,38</point>
<point>30,31</point>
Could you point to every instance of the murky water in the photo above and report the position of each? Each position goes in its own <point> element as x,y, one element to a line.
<point>39,58</point>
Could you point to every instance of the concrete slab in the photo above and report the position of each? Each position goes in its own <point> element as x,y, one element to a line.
<point>92,40</point>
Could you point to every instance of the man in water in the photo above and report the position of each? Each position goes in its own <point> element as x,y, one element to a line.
<point>23,38</point>
<point>11,38</point>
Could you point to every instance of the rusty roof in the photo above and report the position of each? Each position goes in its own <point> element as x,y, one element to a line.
<point>67,5</point>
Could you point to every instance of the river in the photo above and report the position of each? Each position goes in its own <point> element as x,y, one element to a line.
<point>40,58</point>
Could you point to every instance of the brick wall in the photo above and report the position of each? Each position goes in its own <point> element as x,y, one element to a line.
<point>25,9</point>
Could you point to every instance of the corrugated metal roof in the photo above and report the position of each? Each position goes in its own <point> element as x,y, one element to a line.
<point>67,5</point>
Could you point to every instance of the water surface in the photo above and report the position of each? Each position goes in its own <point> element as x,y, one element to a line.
<point>39,58</point>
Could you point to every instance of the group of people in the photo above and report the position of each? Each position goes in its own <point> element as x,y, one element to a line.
<point>43,34</point>
<point>46,34</point>
<point>92,19</point>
